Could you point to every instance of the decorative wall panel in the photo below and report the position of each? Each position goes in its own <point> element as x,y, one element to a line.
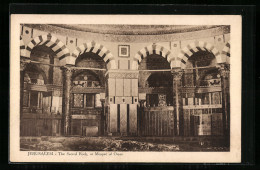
<point>127,87</point>
<point>123,118</point>
<point>78,100</point>
<point>133,118</point>
<point>113,118</point>
<point>119,87</point>
<point>134,87</point>
<point>111,87</point>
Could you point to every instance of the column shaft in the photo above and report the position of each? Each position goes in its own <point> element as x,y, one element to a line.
<point>224,73</point>
<point>66,93</point>
<point>103,116</point>
<point>23,65</point>
<point>177,101</point>
<point>21,90</point>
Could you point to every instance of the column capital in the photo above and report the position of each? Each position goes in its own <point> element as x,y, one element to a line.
<point>67,69</point>
<point>177,73</point>
<point>224,70</point>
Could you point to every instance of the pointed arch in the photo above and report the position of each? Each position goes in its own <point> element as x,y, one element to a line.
<point>98,49</point>
<point>226,52</point>
<point>50,41</point>
<point>22,47</point>
<point>151,49</point>
<point>36,68</point>
<point>192,48</point>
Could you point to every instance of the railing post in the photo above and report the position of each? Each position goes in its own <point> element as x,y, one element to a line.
<point>140,117</point>
<point>103,114</point>
<point>177,100</point>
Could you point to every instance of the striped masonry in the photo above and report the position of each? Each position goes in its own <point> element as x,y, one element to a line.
<point>98,49</point>
<point>152,49</point>
<point>189,50</point>
<point>50,41</point>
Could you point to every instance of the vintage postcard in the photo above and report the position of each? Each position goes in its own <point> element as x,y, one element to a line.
<point>125,88</point>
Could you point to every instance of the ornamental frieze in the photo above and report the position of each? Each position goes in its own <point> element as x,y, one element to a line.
<point>123,75</point>
<point>177,74</point>
<point>211,32</point>
<point>224,70</point>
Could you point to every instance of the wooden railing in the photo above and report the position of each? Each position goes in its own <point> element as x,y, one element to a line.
<point>157,121</point>
<point>202,120</point>
<point>40,124</point>
<point>196,120</point>
<point>42,87</point>
<point>85,111</point>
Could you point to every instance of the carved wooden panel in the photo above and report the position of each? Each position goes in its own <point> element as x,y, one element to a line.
<point>157,122</point>
<point>217,127</point>
<point>216,98</point>
<point>90,100</point>
<point>78,100</point>
<point>186,123</point>
<point>162,100</point>
<point>25,98</point>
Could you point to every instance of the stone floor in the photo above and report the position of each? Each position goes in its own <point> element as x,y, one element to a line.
<point>113,144</point>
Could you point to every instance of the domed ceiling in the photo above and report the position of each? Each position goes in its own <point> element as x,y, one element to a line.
<point>134,29</point>
<point>128,29</point>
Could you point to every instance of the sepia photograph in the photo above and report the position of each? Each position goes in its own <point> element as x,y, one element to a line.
<point>125,88</point>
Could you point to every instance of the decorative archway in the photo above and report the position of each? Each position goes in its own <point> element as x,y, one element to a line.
<point>152,49</point>
<point>192,48</point>
<point>226,52</point>
<point>98,49</point>
<point>50,41</point>
<point>36,69</point>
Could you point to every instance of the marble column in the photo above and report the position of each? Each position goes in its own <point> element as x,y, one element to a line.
<point>21,87</point>
<point>224,70</point>
<point>177,100</point>
<point>103,118</point>
<point>67,72</point>
<point>23,64</point>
